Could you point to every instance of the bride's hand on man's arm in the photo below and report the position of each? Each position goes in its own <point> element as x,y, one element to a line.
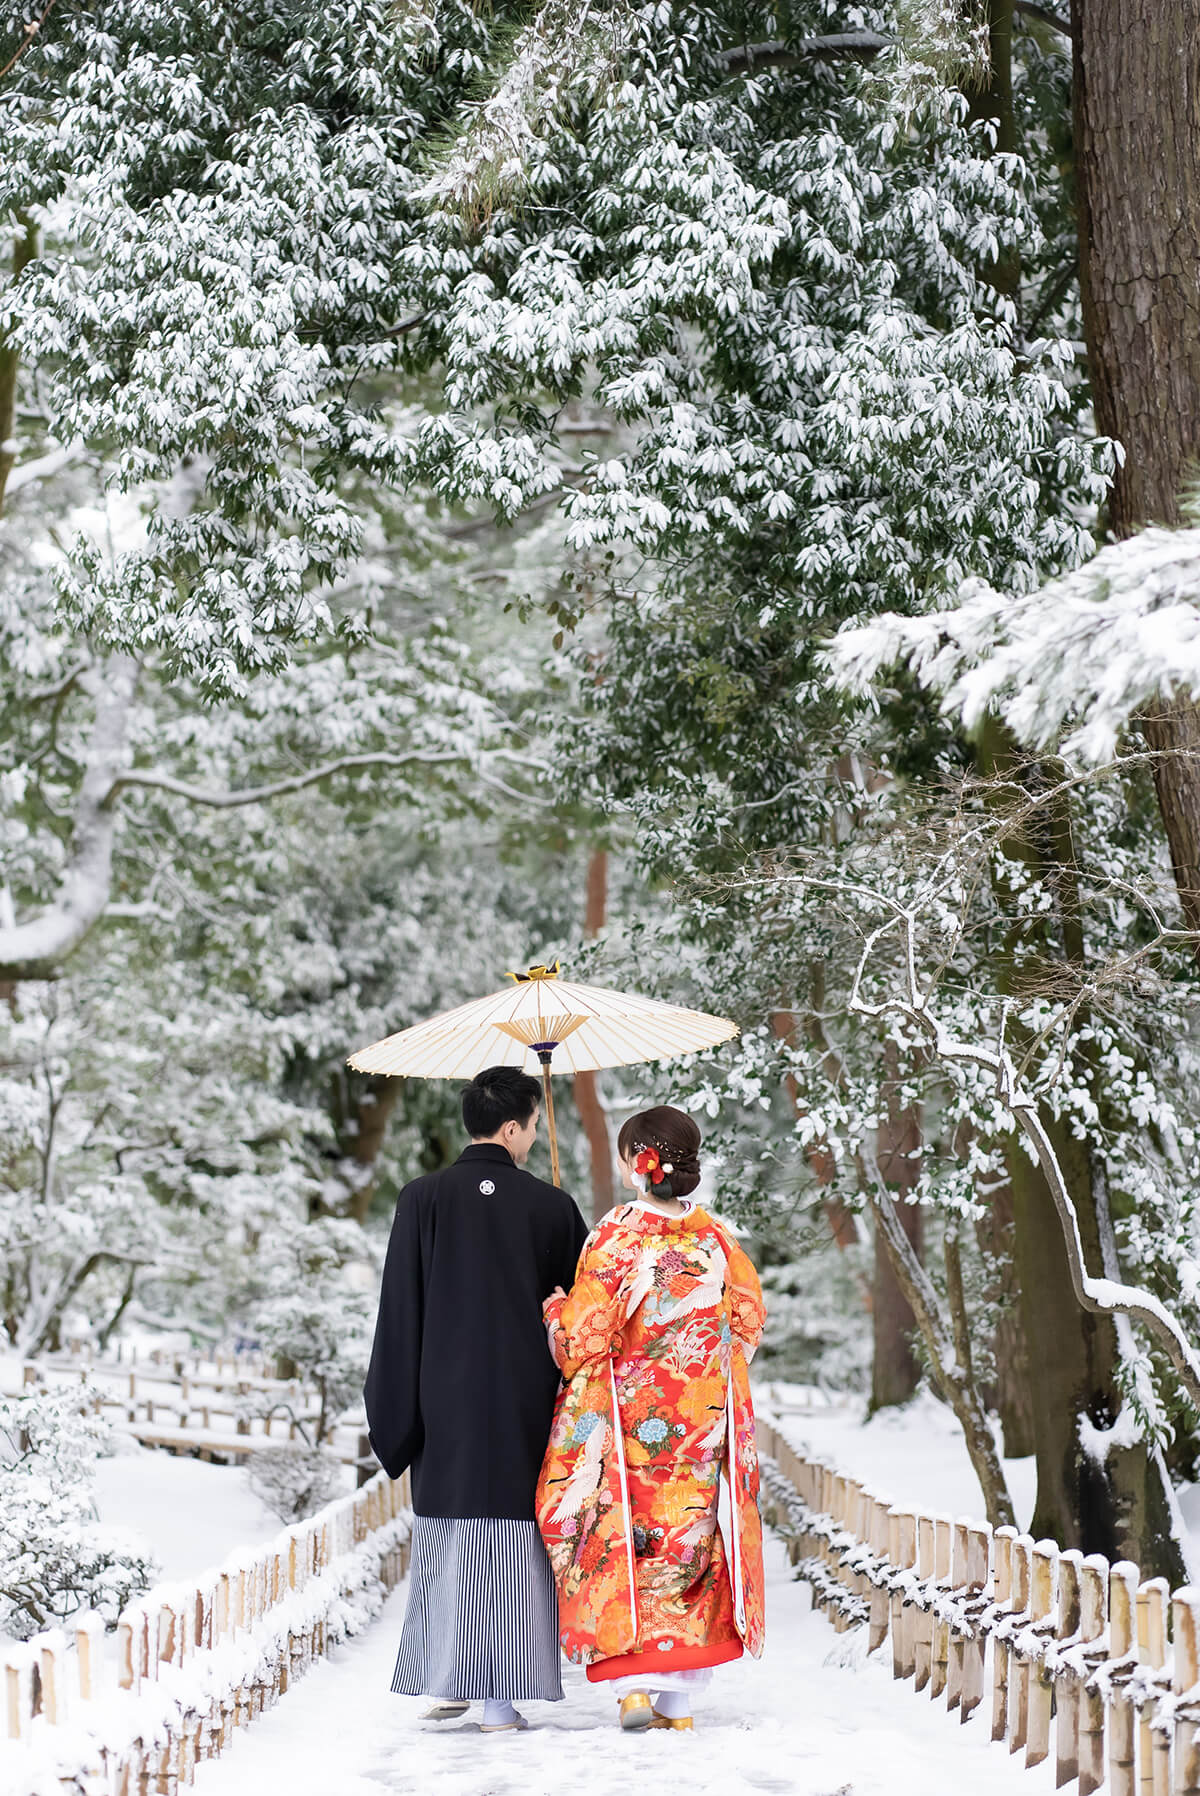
<point>550,1309</point>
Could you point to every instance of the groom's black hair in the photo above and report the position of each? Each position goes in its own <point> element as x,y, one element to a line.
<point>497,1095</point>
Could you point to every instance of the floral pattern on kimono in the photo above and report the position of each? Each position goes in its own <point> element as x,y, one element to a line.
<point>653,1343</point>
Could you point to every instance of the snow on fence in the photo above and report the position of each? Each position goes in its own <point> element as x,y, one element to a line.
<point>194,1662</point>
<point>194,1406</point>
<point>1066,1654</point>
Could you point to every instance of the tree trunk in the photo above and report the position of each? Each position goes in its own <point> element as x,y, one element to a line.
<point>1120,1507</point>
<point>1102,1508</point>
<point>1137,154</point>
<point>592,1113</point>
<point>24,250</point>
<point>1012,1394</point>
<point>361,1110</point>
<point>842,1224</point>
<point>950,1371</point>
<point>895,1372</point>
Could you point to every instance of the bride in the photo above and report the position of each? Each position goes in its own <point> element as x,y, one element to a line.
<point>653,1342</point>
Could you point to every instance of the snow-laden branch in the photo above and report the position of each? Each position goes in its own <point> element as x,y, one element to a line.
<point>37,948</point>
<point>1100,1296</point>
<point>569,46</point>
<point>219,800</point>
<point>1094,646</point>
<point>43,467</point>
<point>1044,15</point>
<point>775,54</point>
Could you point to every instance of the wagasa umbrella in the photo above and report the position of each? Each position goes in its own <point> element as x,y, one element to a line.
<point>544,1021</point>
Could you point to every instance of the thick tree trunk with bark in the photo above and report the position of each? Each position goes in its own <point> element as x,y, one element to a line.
<point>1137,155</point>
<point>23,253</point>
<point>895,1371</point>
<point>1120,1508</point>
<point>1012,1395</point>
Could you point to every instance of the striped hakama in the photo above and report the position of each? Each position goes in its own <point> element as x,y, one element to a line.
<point>482,1618</point>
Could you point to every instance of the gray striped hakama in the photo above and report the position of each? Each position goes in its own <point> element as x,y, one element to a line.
<point>482,1618</point>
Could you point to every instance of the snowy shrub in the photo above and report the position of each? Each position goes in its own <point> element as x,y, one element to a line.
<point>316,1321</point>
<point>295,1480</point>
<point>54,1557</point>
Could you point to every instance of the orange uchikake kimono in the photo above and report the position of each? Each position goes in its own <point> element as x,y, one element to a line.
<point>654,1340</point>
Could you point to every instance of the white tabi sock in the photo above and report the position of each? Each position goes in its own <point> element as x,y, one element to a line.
<point>498,1714</point>
<point>673,1704</point>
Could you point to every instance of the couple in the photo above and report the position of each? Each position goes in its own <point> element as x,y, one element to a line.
<point>571,1437</point>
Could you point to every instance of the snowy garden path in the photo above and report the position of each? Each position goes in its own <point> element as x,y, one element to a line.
<point>813,1718</point>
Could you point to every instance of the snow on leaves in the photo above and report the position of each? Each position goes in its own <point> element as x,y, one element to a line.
<point>1081,654</point>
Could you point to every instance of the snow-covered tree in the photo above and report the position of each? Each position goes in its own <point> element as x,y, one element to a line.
<point>827,300</point>
<point>56,1559</point>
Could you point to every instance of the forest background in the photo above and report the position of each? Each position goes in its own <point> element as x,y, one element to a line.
<point>703,491</point>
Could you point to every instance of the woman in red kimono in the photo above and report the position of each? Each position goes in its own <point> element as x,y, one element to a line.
<point>653,1342</point>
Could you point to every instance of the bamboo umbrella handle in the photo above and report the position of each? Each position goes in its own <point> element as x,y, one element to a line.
<point>543,1055</point>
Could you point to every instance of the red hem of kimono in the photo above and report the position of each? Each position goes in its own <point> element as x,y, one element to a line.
<point>679,1658</point>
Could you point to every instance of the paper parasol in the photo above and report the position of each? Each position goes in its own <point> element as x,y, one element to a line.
<point>541,1019</point>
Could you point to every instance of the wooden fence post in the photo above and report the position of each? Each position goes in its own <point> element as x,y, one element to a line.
<point>903,1558</point>
<point>878,1621</point>
<point>51,1672</point>
<point>974,1651</point>
<point>1067,1685</point>
<point>89,1649</point>
<point>1122,1644</point>
<point>923,1624</point>
<point>1185,1617</point>
<point>1154,1743</point>
<point>1043,1591</point>
<point>1004,1538</point>
<point>958,1584</point>
<point>1018,1676</point>
<point>1093,1619</point>
<point>943,1554</point>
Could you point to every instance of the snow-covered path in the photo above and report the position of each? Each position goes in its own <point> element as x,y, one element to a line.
<point>813,1718</point>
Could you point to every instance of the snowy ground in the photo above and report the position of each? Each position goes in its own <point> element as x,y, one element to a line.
<point>914,1455</point>
<point>814,1717</point>
<point>190,1514</point>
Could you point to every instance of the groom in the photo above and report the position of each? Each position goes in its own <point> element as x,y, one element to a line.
<point>461,1388</point>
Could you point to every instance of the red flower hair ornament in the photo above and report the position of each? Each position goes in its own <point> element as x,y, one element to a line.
<point>649,1170</point>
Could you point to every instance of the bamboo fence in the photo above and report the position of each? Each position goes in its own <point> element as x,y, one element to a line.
<point>195,1662</point>
<point>1065,1655</point>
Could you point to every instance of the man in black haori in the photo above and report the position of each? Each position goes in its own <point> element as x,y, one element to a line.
<point>461,1388</point>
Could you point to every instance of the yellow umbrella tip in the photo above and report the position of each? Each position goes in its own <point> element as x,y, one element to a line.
<point>537,973</point>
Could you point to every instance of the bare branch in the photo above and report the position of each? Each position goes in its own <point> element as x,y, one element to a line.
<point>27,37</point>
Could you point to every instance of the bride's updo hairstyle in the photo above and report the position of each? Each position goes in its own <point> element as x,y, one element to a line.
<point>676,1139</point>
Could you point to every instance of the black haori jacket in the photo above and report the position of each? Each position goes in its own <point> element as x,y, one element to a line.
<point>461,1385</point>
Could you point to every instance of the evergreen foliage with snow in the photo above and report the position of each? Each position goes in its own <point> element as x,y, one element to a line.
<point>56,1558</point>
<point>765,350</point>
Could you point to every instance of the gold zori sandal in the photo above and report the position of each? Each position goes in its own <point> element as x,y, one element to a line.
<point>637,1712</point>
